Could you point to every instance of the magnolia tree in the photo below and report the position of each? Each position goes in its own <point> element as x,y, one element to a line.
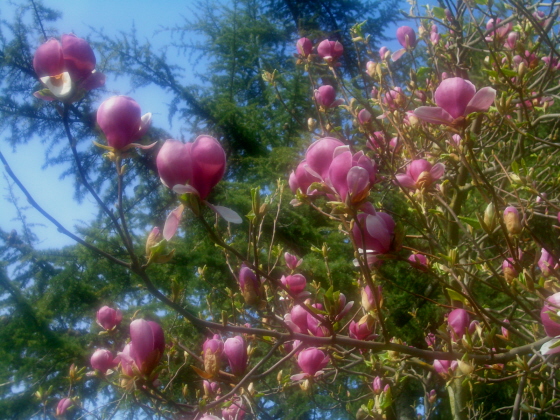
<point>450,175</point>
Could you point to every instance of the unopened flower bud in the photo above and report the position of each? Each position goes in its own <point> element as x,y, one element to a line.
<point>490,216</point>
<point>512,220</point>
<point>371,68</point>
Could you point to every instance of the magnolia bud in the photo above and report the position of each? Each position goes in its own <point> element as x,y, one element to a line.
<point>512,221</point>
<point>490,216</point>
<point>311,124</point>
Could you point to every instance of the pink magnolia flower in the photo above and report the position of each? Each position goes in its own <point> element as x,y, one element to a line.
<point>377,385</point>
<point>434,35</point>
<point>458,321</point>
<point>384,53</point>
<point>551,307</point>
<point>430,340</point>
<point>320,155</point>
<point>301,179</point>
<point>395,98</point>
<point>250,285</point>
<point>297,320</point>
<point>508,269</point>
<point>330,51</point>
<point>497,30</point>
<point>108,318</point>
<point>369,298</point>
<point>212,350</point>
<point>455,99</point>
<point>419,261</point>
<point>102,360</point>
<point>292,262</point>
<point>326,97</point>
<point>63,405</point>
<point>363,329</point>
<point>505,331</point>
<point>311,361</point>
<point>145,349</point>
<point>235,411</point>
<point>511,41</point>
<point>201,164</point>
<point>235,350</point>
<point>432,396</point>
<point>66,68</point>
<point>420,174</point>
<point>315,325</point>
<point>406,37</point>
<point>352,176</point>
<point>210,417</point>
<point>210,388</point>
<point>547,263</point>
<point>378,231</point>
<point>122,122</point>
<point>304,47</point>
<point>295,283</point>
<point>445,368</point>
<point>364,117</point>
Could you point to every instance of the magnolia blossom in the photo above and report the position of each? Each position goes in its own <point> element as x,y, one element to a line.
<point>235,350</point>
<point>201,164</point>
<point>352,176</point>
<point>458,321</point>
<point>320,155</point>
<point>108,318</point>
<point>363,329</point>
<point>445,368</point>
<point>550,317</point>
<point>297,320</point>
<point>210,388</point>
<point>311,361</point>
<point>316,324</point>
<point>292,262</point>
<point>294,283</point>
<point>301,179</point>
<point>378,230</point>
<point>434,35</point>
<point>455,99</point>
<point>326,97</point>
<point>420,174</point>
<point>235,411</point>
<point>407,38</point>
<point>66,68</point>
<point>102,360</point>
<point>508,269</point>
<point>497,30</point>
<point>146,347</point>
<point>63,406</point>
<point>395,98</point>
<point>384,53</point>
<point>304,47</point>
<point>547,263</point>
<point>377,385</point>
<point>212,350</point>
<point>369,298</point>
<point>419,261</point>
<point>330,51</point>
<point>122,122</point>
<point>364,117</point>
<point>250,285</point>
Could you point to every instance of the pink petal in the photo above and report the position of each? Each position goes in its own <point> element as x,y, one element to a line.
<point>172,222</point>
<point>454,94</point>
<point>228,214</point>
<point>483,99</point>
<point>377,228</point>
<point>406,181</point>
<point>435,115</point>
<point>398,54</point>
<point>437,171</point>
<point>357,180</point>
<point>299,376</point>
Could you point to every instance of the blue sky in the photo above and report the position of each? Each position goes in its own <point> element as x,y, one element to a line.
<point>52,193</point>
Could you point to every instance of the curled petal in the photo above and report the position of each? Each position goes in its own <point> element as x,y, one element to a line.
<point>435,115</point>
<point>551,347</point>
<point>172,222</point>
<point>184,189</point>
<point>481,101</point>
<point>357,181</point>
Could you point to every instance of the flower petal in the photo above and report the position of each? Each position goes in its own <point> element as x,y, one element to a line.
<point>483,99</point>
<point>398,54</point>
<point>437,171</point>
<point>172,222</point>
<point>184,189</point>
<point>228,214</point>
<point>405,181</point>
<point>435,115</point>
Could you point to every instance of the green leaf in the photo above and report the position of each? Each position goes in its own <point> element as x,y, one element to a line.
<point>439,12</point>
<point>469,220</point>
<point>457,296</point>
